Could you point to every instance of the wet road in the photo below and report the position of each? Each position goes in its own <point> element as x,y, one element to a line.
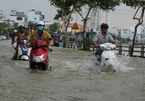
<point>73,78</point>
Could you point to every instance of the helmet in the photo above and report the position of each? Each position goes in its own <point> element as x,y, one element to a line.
<point>104,25</point>
<point>15,31</point>
<point>41,23</point>
<point>22,26</point>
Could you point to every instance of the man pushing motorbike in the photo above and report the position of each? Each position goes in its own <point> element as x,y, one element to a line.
<point>102,37</point>
<point>38,59</point>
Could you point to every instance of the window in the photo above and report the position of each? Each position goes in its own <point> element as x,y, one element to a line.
<point>19,18</point>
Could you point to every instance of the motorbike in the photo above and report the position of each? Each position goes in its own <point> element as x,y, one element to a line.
<point>39,55</point>
<point>23,50</point>
<point>108,57</point>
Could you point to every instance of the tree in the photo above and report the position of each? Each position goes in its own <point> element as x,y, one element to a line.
<point>64,12</point>
<point>4,28</point>
<point>139,4</point>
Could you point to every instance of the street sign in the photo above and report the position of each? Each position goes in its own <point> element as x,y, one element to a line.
<point>75,27</point>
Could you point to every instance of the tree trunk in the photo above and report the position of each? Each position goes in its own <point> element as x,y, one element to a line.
<point>140,21</point>
<point>133,42</point>
<point>84,35</point>
<point>64,38</point>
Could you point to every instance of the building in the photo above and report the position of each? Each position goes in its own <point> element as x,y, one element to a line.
<point>17,17</point>
<point>34,16</point>
<point>70,30</point>
<point>122,32</point>
<point>1,15</point>
<point>20,18</point>
<point>97,17</point>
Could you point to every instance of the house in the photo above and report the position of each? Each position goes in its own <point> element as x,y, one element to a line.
<point>34,16</point>
<point>80,26</point>
<point>17,17</point>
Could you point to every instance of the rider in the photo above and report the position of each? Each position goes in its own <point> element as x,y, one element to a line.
<point>40,33</point>
<point>20,36</point>
<point>102,37</point>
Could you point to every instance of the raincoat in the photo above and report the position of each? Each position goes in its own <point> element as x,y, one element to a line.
<point>45,37</point>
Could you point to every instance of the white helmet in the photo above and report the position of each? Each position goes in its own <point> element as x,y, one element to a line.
<point>41,23</point>
<point>15,31</point>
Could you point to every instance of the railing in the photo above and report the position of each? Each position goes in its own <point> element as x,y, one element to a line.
<point>139,50</point>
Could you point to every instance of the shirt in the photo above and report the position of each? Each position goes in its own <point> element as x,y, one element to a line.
<point>40,34</point>
<point>100,39</point>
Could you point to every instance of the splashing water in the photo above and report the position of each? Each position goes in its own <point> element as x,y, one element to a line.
<point>120,64</point>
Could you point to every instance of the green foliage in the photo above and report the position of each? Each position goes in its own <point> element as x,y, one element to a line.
<point>87,42</point>
<point>64,8</point>
<point>64,12</point>
<point>53,27</point>
<point>108,4</point>
<point>103,4</point>
<point>4,28</point>
<point>15,26</point>
<point>134,3</point>
<point>32,24</point>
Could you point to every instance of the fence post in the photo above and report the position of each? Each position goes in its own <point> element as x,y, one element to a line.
<point>71,43</point>
<point>129,50</point>
<point>67,44</point>
<point>142,50</point>
<point>120,49</point>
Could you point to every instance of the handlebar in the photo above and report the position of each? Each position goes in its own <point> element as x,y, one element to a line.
<point>107,46</point>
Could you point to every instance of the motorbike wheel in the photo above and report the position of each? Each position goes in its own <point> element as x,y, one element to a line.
<point>40,66</point>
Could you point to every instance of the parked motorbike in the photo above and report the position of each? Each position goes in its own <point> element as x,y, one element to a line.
<point>39,55</point>
<point>107,58</point>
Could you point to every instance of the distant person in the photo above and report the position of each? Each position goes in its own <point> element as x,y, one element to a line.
<point>56,40</point>
<point>13,36</point>
<point>102,37</point>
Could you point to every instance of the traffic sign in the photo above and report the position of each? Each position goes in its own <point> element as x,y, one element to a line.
<point>75,27</point>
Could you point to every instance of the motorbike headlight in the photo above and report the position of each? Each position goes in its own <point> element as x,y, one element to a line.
<point>38,58</point>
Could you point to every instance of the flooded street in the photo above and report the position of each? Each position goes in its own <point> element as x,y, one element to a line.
<point>73,78</point>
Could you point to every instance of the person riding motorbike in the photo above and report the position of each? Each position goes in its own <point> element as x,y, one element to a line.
<point>40,33</point>
<point>102,37</point>
<point>20,36</point>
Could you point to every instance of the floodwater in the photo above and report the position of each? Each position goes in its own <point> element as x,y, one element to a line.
<point>74,77</point>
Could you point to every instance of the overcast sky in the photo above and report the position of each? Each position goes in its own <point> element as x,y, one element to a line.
<point>121,17</point>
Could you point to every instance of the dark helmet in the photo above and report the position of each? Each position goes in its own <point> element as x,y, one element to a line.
<point>104,25</point>
<point>22,26</point>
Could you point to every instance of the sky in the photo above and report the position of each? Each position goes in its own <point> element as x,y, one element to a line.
<point>121,17</point>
